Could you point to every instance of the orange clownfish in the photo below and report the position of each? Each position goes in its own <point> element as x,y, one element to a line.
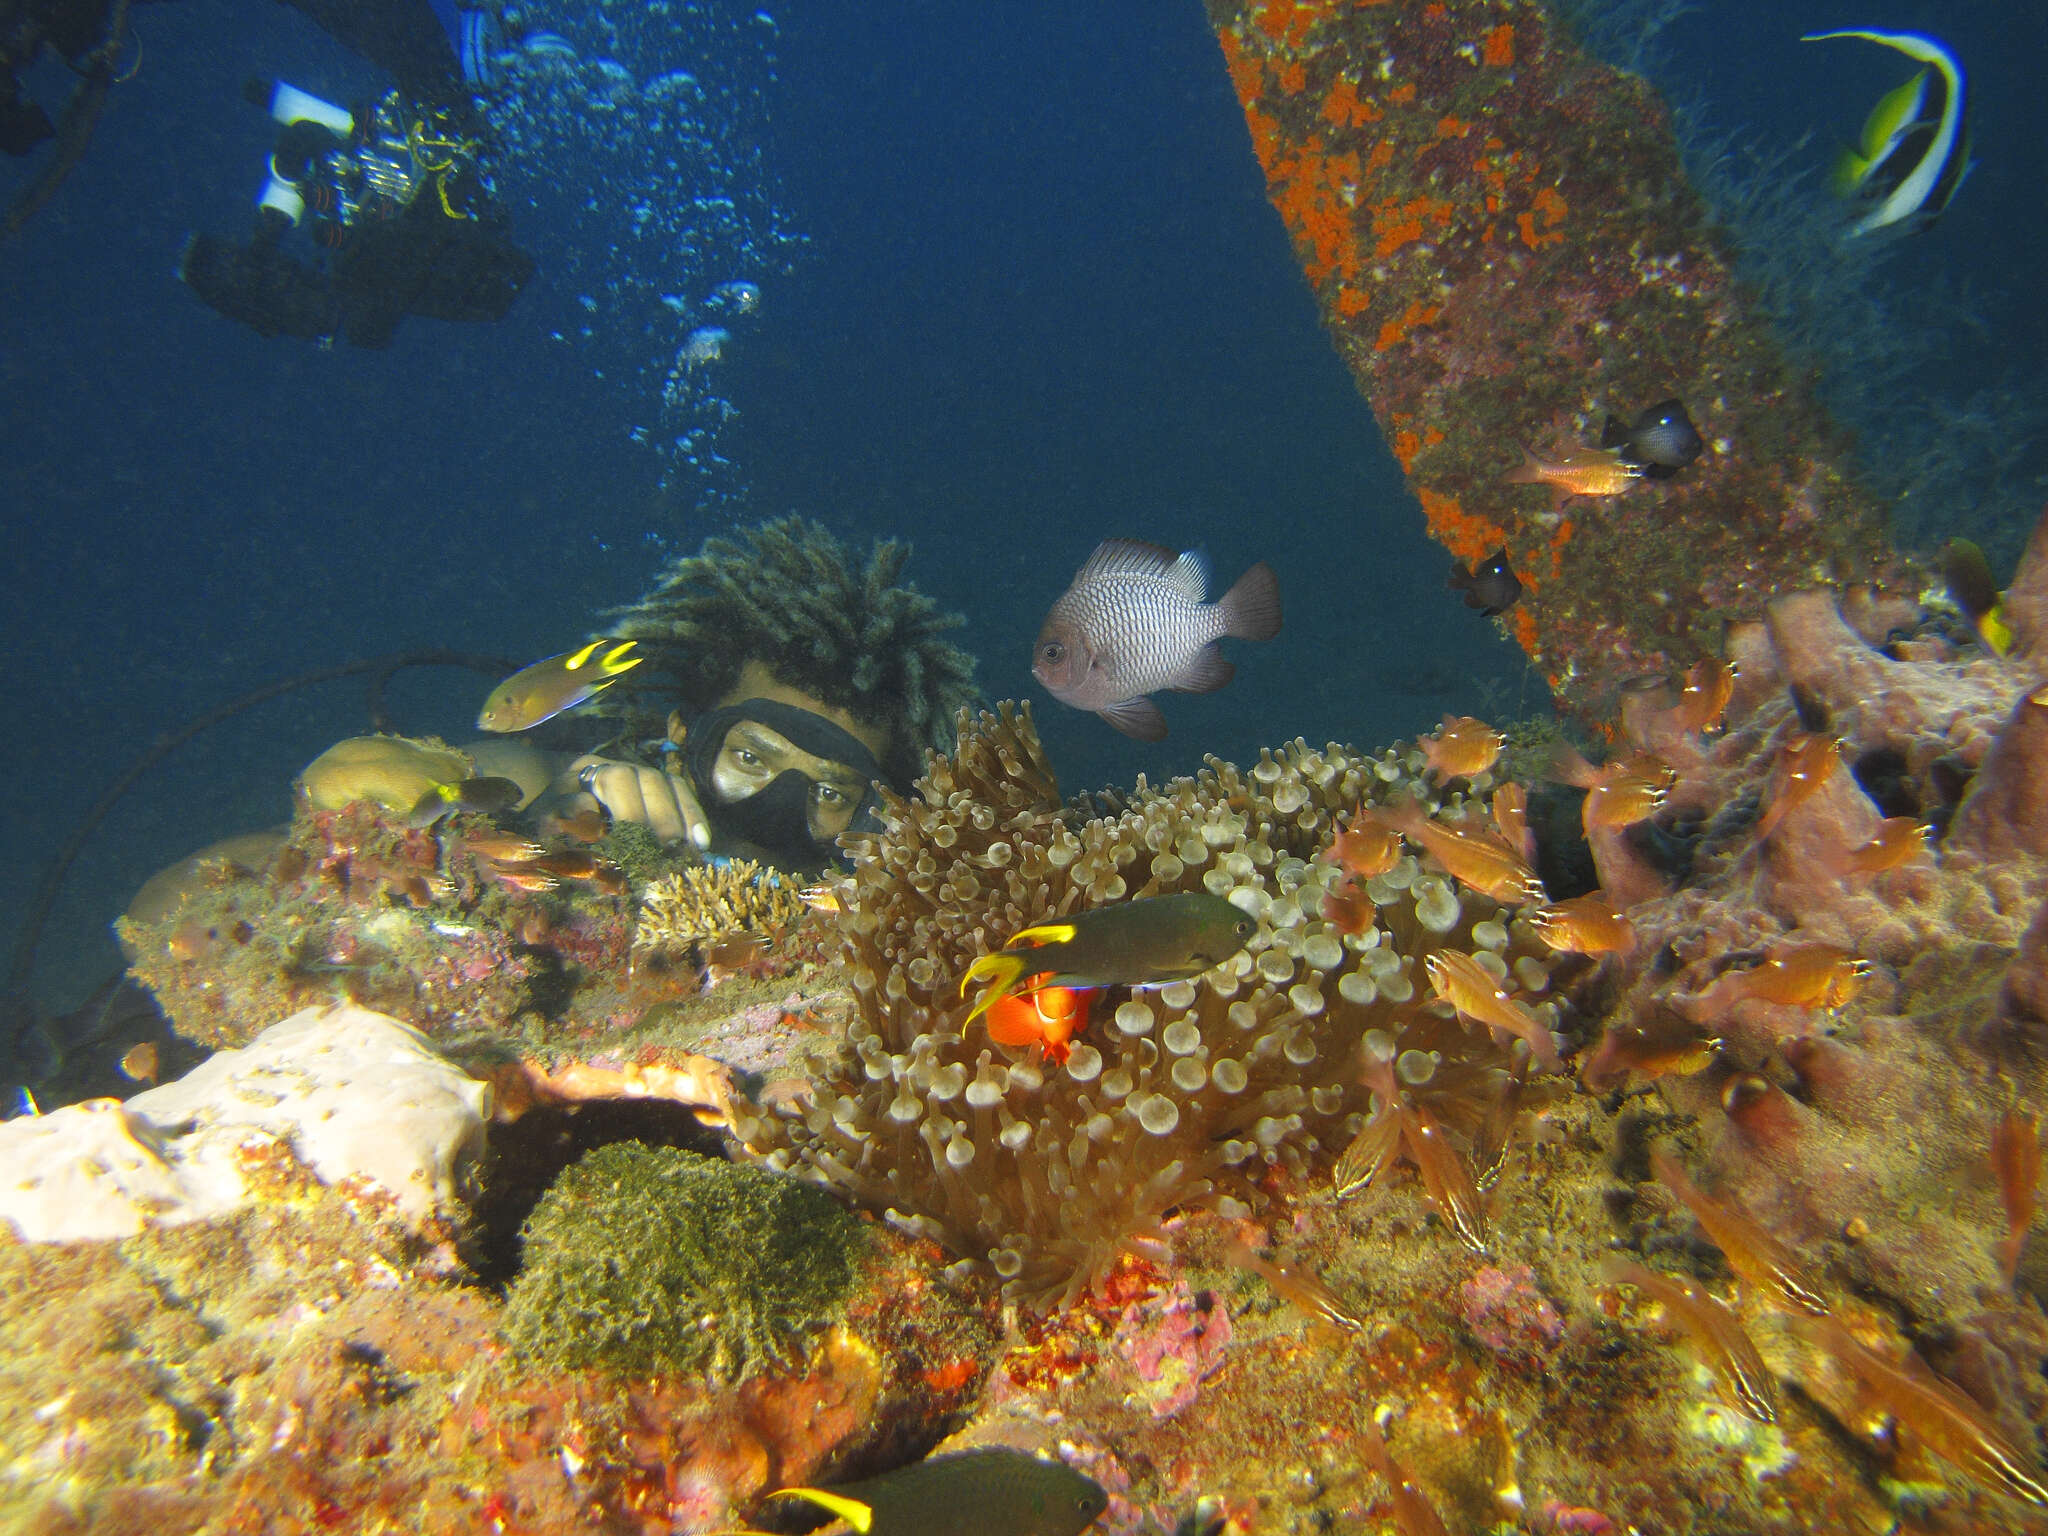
<point>1042,1015</point>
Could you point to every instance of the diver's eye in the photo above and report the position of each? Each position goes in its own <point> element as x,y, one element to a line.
<point>745,758</point>
<point>830,794</point>
<point>1052,650</point>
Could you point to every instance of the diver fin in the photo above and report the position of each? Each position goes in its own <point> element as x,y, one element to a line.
<point>1205,672</point>
<point>1138,718</point>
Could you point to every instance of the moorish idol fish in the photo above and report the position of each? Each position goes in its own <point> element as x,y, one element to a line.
<point>1915,149</point>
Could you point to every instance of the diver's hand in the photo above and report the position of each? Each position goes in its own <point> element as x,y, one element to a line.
<point>659,801</point>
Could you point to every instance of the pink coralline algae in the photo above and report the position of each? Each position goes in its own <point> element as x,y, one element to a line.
<point>1174,1341</point>
<point>1508,1313</point>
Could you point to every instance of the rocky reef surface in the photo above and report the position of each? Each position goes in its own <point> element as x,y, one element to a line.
<point>1576,1146</point>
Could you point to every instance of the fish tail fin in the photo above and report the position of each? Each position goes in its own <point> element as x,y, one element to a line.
<point>616,660</point>
<point>1002,970</point>
<point>1994,630</point>
<point>1568,765</point>
<point>1528,472</point>
<point>1251,608</point>
<point>856,1514</point>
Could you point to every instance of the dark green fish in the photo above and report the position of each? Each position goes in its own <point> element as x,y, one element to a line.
<point>1133,944</point>
<point>488,795</point>
<point>990,1492</point>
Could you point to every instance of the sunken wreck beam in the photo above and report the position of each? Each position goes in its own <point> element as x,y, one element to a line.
<point>1504,247</point>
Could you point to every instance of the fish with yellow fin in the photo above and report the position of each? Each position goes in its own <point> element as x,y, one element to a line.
<point>988,1492</point>
<point>1975,591</point>
<point>487,795</point>
<point>1139,943</point>
<point>545,689</point>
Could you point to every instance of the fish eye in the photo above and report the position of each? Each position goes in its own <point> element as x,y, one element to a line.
<point>1052,650</point>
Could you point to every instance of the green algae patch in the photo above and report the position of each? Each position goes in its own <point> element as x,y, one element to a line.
<point>642,1260</point>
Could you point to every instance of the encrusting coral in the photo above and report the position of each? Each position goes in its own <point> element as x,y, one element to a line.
<point>791,596</point>
<point>1185,1097</point>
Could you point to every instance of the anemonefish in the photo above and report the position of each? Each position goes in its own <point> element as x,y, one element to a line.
<point>1043,1015</point>
<point>1915,149</point>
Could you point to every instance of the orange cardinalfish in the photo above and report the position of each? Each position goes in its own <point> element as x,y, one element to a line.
<point>1898,840</point>
<point>1756,1256</point>
<point>1797,976</point>
<point>1577,472</point>
<point>1470,988</point>
<point>1400,1122</point>
<point>1365,848</point>
<point>1581,472</point>
<point>1618,794</point>
<point>1041,1014</point>
<point>2016,1158</point>
<point>1932,1411</point>
<point>1461,748</point>
<point>1717,1335</point>
<point>1474,858</point>
<point>1300,1289</point>
<point>1584,925</point>
<point>1805,762</point>
<point>1709,684</point>
<point>1664,1045</point>
<point>1348,909</point>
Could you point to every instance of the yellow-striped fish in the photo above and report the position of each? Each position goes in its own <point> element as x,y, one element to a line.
<point>545,689</point>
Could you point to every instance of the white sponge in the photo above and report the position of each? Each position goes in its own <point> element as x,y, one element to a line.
<point>354,1094</point>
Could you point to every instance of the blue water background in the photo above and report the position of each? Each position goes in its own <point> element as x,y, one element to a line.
<point>1044,301</point>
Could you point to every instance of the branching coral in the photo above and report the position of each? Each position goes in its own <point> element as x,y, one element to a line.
<point>703,903</point>
<point>1196,1095</point>
<point>791,596</point>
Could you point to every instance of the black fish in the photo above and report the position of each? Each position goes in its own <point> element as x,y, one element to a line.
<point>1490,586</point>
<point>1662,441</point>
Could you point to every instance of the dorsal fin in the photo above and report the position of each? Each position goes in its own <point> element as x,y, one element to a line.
<point>1187,573</point>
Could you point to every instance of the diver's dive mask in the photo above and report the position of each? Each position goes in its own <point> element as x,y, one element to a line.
<point>781,778</point>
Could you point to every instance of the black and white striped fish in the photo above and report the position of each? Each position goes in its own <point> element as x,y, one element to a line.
<point>1136,620</point>
<point>1915,149</point>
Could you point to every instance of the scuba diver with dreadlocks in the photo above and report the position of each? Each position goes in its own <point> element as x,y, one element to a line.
<point>756,698</point>
<point>395,194</point>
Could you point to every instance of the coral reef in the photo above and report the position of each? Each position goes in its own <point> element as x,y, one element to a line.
<point>1500,237</point>
<point>420,923</point>
<point>308,1366</point>
<point>791,595</point>
<point>643,1260</point>
<point>1193,1096</point>
<point>1457,1190</point>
